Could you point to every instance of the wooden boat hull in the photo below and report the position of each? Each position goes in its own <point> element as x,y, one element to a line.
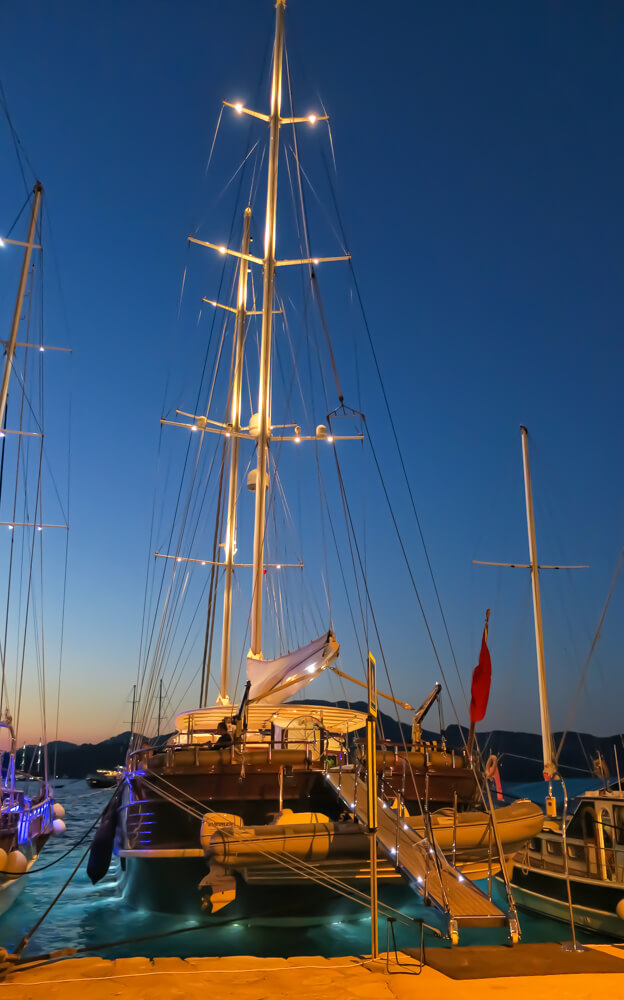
<point>594,904</point>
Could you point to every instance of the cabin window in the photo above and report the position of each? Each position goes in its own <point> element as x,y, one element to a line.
<point>588,824</point>
<point>576,852</point>
<point>607,828</point>
<point>553,847</point>
<point>619,824</point>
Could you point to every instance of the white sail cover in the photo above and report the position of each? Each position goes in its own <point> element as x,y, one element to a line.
<point>283,677</point>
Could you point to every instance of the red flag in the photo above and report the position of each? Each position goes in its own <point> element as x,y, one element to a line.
<point>481,680</point>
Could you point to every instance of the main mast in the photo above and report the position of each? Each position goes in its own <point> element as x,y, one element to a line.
<point>547,743</point>
<point>264,389</point>
<point>235,420</point>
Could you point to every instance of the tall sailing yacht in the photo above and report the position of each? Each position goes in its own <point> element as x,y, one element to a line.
<point>27,817</point>
<point>257,795</point>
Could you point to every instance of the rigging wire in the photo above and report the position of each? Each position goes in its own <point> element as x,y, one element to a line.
<point>595,640</point>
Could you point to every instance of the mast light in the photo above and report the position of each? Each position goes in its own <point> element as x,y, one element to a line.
<point>238,107</point>
<point>312,119</point>
<point>222,250</point>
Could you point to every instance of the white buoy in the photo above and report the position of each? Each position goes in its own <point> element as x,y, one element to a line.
<point>58,826</point>
<point>16,863</point>
<point>3,859</point>
<point>58,811</point>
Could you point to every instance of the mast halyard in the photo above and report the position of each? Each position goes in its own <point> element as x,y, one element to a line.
<point>264,388</point>
<point>21,288</point>
<point>547,742</point>
<point>230,537</point>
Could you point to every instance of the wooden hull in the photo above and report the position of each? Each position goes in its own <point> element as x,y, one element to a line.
<point>593,903</point>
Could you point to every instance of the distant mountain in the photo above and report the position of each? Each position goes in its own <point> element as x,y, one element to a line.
<point>76,761</point>
<point>520,754</point>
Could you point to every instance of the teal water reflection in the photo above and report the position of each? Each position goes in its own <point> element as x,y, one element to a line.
<point>88,917</point>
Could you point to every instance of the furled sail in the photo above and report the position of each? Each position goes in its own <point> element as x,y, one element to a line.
<point>286,675</point>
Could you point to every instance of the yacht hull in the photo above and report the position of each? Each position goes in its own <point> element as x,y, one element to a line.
<point>171,885</point>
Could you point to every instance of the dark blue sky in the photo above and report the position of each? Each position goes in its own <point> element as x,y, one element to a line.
<point>480,159</point>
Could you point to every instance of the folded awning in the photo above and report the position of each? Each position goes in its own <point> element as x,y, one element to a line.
<point>281,678</point>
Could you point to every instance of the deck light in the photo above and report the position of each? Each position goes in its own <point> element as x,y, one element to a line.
<point>279,567</point>
<point>297,439</point>
<point>329,438</point>
<point>315,260</point>
<point>42,348</point>
<point>194,427</point>
<point>179,559</point>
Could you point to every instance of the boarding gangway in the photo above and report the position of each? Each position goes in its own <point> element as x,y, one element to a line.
<point>423,864</point>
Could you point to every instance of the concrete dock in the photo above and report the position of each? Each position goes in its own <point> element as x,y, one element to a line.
<point>247,978</point>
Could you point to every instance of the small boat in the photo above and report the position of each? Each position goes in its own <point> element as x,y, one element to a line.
<point>573,869</point>
<point>103,778</point>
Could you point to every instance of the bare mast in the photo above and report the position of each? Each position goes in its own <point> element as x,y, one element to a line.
<point>235,420</point>
<point>21,288</point>
<point>264,389</point>
<point>547,742</point>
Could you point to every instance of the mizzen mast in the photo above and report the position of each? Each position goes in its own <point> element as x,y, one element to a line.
<point>235,419</point>
<point>547,741</point>
<point>264,387</point>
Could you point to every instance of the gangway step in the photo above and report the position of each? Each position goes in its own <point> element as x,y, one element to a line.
<point>423,865</point>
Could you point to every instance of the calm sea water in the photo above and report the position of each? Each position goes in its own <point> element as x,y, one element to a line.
<point>88,917</point>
